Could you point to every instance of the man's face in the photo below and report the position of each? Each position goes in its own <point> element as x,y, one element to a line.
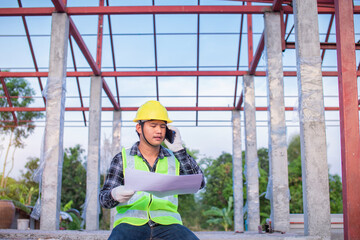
<point>154,131</point>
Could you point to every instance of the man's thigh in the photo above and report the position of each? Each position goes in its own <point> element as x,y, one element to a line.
<point>126,231</point>
<point>172,232</point>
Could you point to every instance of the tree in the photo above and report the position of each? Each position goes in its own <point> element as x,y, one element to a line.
<point>189,204</point>
<point>20,129</point>
<point>335,187</point>
<point>221,216</point>
<point>219,181</point>
<point>27,178</point>
<point>295,181</point>
<point>73,177</point>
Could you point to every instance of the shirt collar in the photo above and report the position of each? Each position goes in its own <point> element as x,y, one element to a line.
<point>135,151</point>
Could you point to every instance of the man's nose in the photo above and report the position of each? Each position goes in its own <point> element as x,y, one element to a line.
<point>158,129</point>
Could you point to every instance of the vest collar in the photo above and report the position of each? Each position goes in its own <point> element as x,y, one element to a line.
<point>135,151</point>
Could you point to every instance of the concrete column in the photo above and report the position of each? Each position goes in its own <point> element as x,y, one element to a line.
<point>116,148</point>
<point>251,157</point>
<point>237,174</point>
<point>93,159</point>
<point>278,169</point>
<point>312,124</point>
<point>54,129</point>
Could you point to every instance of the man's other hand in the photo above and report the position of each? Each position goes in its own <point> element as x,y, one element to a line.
<point>121,194</point>
<point>177,144</point>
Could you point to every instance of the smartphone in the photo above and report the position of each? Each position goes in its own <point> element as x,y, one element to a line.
<point>170,135</point>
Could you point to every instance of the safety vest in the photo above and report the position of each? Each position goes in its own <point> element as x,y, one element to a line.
<point>143,206</point>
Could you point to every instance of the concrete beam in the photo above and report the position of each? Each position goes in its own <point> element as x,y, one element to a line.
<point>93,159</point>
<point>312,123</point>
<point>116,148</point>
<point>251,157</point>
<point>278,170</point>
<point>54,129</point>
<point>237,173</point>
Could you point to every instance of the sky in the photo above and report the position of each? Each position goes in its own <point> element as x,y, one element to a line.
<point>176,50</point>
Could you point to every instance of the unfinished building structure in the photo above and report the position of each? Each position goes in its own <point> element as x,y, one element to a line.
<point>273,43</point>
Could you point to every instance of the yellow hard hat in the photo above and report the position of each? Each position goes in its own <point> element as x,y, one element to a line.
<point>152,110</point>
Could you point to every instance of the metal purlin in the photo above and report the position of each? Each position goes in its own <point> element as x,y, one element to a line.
<point>77,79</point>
<point>197,66</point>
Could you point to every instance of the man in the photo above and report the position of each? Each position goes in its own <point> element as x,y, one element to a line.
<point>141,215</point>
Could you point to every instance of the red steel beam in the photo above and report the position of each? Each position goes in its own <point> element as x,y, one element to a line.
<point>250,37</point>
<point>77,79</point>
<point>155,55</point>
<point>238,57</point>
<point>197,65</point>
<point>8,99</point>
<point>110,96</point>
<point>98,58</point>
<point>260,48</point>
<point>113,56</point>
<point>99,37</point>
<point>31,50</point>
<point>77,37</point>
<point>327,35</point>
<point>241,99</point>
<point>349,117</point>
<point>59,5</point>
<point>277,5</point>
<point>47,11</point>
<point>77,109</point>
<point>80,42</point>
<point>328,2</point>
<point>160,74</point>
<point>323,45</point>
<point>168,10</point>
<point>257,56</point>
<point>283,29</point>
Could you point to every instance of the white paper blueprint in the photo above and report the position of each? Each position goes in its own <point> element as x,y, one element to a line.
<point>162,185</point>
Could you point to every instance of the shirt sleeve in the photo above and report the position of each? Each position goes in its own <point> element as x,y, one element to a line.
<point>188,165</point>
<point>114,178</point>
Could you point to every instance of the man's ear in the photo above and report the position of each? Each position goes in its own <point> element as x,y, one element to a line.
<point>138,129</point>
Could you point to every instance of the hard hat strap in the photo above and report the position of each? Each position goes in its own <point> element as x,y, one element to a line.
<point>142,130</point>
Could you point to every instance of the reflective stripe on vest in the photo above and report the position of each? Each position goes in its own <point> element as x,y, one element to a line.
<point>142,206</point>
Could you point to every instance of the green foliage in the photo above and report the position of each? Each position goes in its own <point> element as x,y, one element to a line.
<point>265,207</point>
<point>75,224</point>
<point>219,182</point>
<point>335,187</point>
<point>221,216</point>
<point>73,177</point>
<point>188,205</point>
<point>18,193</point>
<point>20,88</point>
<point>295,181</point>
<point>27,179</point>
<point>190,211</point>
<point>295,185</point>
<point>294,150</point>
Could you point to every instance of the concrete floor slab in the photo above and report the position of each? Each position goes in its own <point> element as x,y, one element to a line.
<point>99,235</point>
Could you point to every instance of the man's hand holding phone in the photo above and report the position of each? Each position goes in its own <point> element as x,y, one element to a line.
<point>176,145</point>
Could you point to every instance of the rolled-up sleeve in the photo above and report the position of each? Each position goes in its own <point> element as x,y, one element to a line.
<point>114,178</point>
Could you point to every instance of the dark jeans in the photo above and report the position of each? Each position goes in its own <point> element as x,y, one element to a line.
<point>126,231</point>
